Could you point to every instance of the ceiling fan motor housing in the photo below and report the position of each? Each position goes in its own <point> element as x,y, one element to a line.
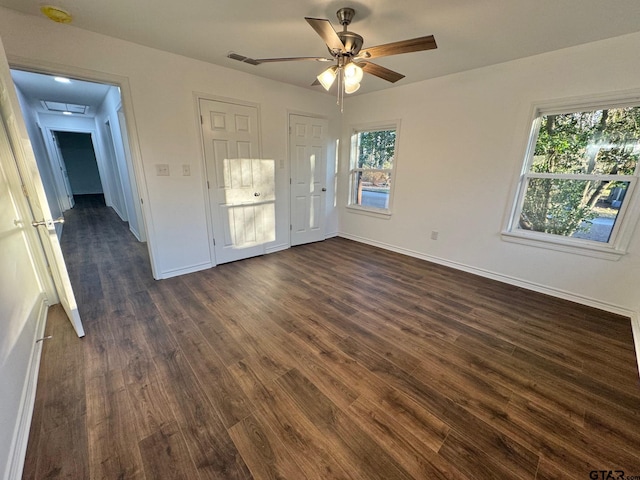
<point>352,43</point>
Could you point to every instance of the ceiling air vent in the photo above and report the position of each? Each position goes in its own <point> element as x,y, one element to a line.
<point>65,107</point>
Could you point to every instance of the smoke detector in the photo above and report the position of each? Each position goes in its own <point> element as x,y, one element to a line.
<point>56,14</point>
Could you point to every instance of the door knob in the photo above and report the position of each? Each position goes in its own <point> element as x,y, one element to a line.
<point>48,223</point>
<point>256,194</point>
<point>324,189</point>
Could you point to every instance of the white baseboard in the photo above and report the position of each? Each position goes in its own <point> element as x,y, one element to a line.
<point>536,287</point>
<point>330,235</point>
<point>122,217</point>
<point>276,248</point>
<point>635,328</point>
<point>135,232</point>
<point>185,270</point>
<point>25,413</point>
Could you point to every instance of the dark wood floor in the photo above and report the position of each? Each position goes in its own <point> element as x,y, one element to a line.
<point>325,361</point>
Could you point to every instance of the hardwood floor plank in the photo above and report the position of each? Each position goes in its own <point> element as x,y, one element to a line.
<point>207,439</point>
<point>63,452</point>
<point>333,360</point>
<point>507,451</point>
<point>165,455</point>
<point>421,423</point>
<point>64,390</point>
<point>266,457</point>
<point>300,436</point>
<point>218,384</point>
<point>600,451</point>
<point>112,437</point>
<point>355,445</point>
<point>419,459</point>
<point>475,462</point>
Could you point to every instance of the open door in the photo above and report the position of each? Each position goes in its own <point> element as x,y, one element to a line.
<point>62,168</point>
<point>14,133</point>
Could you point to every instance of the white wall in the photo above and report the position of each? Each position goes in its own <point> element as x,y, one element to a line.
<point>461,148</point>
<point>112,142</point>
<point>162,88</point>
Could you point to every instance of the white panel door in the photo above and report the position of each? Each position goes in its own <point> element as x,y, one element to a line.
<point>59,165</point>
<point>14,135</point>
<point>241,185</point>
<point>308,157</point>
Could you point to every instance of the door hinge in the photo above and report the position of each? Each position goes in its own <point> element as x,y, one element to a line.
<point>290,131</point>
<point>201,120</point>
<point>214,242</point>
<point>141,201</point>
<point>208,187</point>
<point>290,227</point>
<point>290,182</point>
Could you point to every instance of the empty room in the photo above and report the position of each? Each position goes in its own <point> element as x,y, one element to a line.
<point>320,240</point>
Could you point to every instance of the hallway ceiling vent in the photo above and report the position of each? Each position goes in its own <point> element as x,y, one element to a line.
<point>65,107</point>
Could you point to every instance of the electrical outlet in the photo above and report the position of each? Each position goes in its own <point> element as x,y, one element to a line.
<point>434,235</point>
<point>162,170</point>
<point>186,170</point>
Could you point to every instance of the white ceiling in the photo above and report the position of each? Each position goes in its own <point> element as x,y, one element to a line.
<point>469,33</point>
<point>36,87</point>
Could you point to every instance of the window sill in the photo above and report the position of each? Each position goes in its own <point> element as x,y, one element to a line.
<point>372,212</point>
<point>561,244</point>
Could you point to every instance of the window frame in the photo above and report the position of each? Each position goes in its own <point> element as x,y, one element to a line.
<point>629,212</point>
<point>353,169</point>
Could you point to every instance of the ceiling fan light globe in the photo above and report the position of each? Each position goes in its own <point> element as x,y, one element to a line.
<point>351,87</point>
<point>327,77</point>
<point>353,73</point>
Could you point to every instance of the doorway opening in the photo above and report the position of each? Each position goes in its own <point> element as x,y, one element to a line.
<point>53,104</point>
<point>79,139</point>
<point>78,165</point>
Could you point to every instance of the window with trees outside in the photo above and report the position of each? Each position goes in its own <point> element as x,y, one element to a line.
<point>578,181</point>
<point>373,153</point>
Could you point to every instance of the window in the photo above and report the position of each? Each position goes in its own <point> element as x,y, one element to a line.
<point>578,181</point>
<point>373,154</point>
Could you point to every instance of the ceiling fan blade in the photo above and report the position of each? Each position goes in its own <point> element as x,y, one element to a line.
<point>323,27</point>
<point>242,58</point>
<point>403,46</point>
<point>381,72</point>
<point>292,59</point>
<point>258,61</point>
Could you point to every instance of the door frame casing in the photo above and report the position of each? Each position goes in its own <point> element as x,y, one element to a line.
<point>50,68</point>
<point>99,159</point>
<point>197,96</point>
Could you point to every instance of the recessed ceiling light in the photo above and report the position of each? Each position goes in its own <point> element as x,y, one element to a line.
<point>62,79</point>
<point>67,113</point>
<point>56,14</point>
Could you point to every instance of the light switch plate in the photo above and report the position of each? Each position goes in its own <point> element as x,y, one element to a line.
<point>162,170</point>
<point>186,170</point>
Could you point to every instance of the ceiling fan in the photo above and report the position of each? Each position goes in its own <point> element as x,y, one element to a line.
<point>346,50</point>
